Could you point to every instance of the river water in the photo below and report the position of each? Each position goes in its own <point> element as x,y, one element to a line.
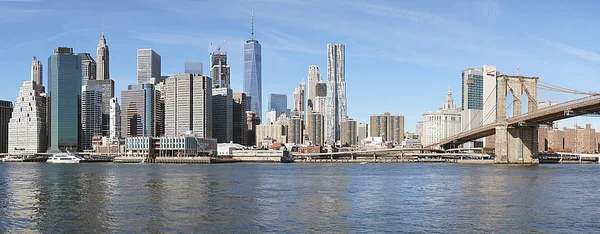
<point>292,198</point>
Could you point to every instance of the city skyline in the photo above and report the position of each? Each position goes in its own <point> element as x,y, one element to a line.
<point>287,53</point>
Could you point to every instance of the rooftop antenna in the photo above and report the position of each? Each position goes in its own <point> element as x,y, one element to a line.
<point>253,24</point>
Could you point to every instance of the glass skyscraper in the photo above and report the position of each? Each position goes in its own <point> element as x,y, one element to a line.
<point>64,86</point>
<point>278,102</point>
<point>148,67</point>
<point>252,73</point>
<point>193,67</point>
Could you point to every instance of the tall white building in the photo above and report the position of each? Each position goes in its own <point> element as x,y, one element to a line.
<point>489,94</point>
<point>115,119</point>
<point>441,124</point>
<point>271,116</point>
<point>188,105</point>
<point>27,128</point>
<point>91,115</point>
<point>314,77</point>
<point>335,109</point>
<point>299,96</point>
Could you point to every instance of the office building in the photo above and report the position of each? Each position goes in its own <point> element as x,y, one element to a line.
<point>314,78</point>
<point>115,119</point>
<point>320,97</point>
<point>362,131</point>
<point>253,73</point>
<point>472,115</point>
<point>193,68</point>
<point>102,60</point>
<point>271,116</point>
<point>240,123</point>
<point>299,96</point>
<point>314,128</point>
<point>188,105</point>
<point>88,67</point>
<point>252,121</point>
<point>37,73</point>
<point>348,132</point>
<point>27,129</point>
<point>148,67</point>
<point>138,110</point>
<point>108,91</point>
<point>220,71</point>
<point>389,127</point>
<point>6,108</point>
<point>64,86</point>
<point>335,110</point>
<point>278,102</point>
<point>222,101</point>
<point>443,123</point>
<point>295,133</point>
<point>91,115</point>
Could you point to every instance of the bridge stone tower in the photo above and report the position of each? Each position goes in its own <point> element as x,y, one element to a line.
<point>515,144</point>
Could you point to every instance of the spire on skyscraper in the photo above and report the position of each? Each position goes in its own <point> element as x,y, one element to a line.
<point>253,25</point>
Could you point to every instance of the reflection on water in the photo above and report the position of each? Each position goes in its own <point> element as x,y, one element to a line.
<point>290,198</point>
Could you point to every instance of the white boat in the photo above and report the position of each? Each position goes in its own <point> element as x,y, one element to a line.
<point>64,158</point>
<point>363,163</point>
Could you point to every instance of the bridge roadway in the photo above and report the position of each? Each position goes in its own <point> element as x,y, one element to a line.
<point>577,107</point>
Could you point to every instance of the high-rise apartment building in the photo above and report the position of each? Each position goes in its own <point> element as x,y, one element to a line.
<point>389,127</point>
<point>443,123</point>
<point>64,86</point>
<point>148,67</point>
<point>220,70</point>
<point>362,131</point>
<point>222,101</point>
<point>188,105</point>
<point>138,111</point>
<point>253,73</point>
<point>252,121</point>
<point>6,108</point>
<point>314,128</point>
<point>102,60</point>
<point>348,132</point>
<point>335,109</point>
<point>193,68</point>
<point>473,99</point>
<point>115,119</point>
<point>278,102</point>
<point>314,78</point>
<point>88,67</point>
<point>295,133</point>
<point>240,122</point>
<point>91,115</point>
<point>320,97</point>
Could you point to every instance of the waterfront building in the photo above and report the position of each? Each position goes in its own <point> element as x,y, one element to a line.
<point>192,68</point>
<point>226,149</point>
<point>188,105</point>
<point>252,121</point>
<point>91,115</point>
<point>108,91</point>
<point>222,114</point>
<point>335,109</point>
<point>115,119</point>
<point>314,78</point>
<point>102,60</point>
<point>64,86</point>
<point>362,131</point>
<point>6,109</point>
<point>348,132</point>
<point>170,146</point>
<point>253,73</point>
<point>138,110</point>
<point>221,72</point>
<point>573,140</point>
<point>240,124</point>
<point>295,133</point>
<point>88,67</point>
<point>278,102</point>
<point>276,131</point>
<point>443,123</point>
<point>148,67</point>
<point>389,127</point>
<point>314,128</point>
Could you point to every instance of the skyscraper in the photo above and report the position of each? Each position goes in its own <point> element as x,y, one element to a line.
<point>240,123</point>
<point>148,67</point>
<point>443,123</point>
<point>363,131</point>
<point>295,133</point>
<point>138,110</point>
<point>335,110</point>
<point>102,59</point>
<point>299,97</point>
<point>88,67</point>
<point>252,121</point>
<point>348,132</point>
<point>108,91</point>
<point>314,129</point>
<point>27,126</point>
<point>91,115</point>
<point>314,78</point>
<point>389,127</point>
<point>115,119</point>
<point>320,97</point>
<point>253,73</point>
<point>277,102</point>
<point>36,74</point>
<point>472,97</point>
<point>188,105</point>
<point>64,86</point>
<point>193,68</point>
<point>222,101</point>
<point>6,108</point>
<point>220,71</point>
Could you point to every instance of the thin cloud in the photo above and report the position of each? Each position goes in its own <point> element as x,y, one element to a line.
<point>578,52</point>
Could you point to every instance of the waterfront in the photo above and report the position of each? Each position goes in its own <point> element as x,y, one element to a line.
<point>285,198</point>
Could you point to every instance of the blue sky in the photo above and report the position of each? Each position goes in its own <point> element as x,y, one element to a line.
<point>400,55</point>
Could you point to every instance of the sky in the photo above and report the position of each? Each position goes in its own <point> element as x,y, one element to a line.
<point>401,56</point>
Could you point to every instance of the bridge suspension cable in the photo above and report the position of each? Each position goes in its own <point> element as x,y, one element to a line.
<point>555,88</point>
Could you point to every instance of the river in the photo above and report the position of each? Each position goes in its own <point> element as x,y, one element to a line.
<point>292,198</point>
